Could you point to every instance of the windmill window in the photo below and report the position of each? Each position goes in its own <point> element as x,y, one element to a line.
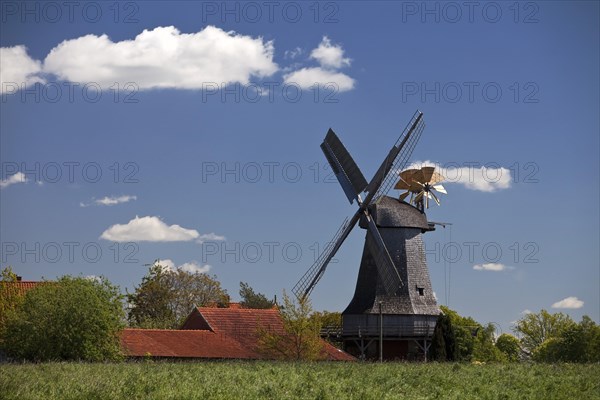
<point>421,291</point>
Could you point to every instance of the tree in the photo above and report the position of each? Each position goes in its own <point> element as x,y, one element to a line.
<point>536,328</point>
<point>331,324</point>
<point>10,297</point>
<point>8,275</point>
<point>70,319</point>
<point>510,346</point>
<point>300,339</point>
<point>465,331</point>
<point>484,348</point>
<point>165,297</point>
<point>250,299</point>
<point>149,304</point>
<point>328,319</point>
<point>443,342</point>
<point>574,343</point>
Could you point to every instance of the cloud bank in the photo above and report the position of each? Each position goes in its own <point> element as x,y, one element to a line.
<point>159,58</point>
<point>163,58</point>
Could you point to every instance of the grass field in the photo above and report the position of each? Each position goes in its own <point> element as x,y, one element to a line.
<point>270,380</point>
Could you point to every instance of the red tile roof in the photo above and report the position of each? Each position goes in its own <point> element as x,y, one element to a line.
<point>243,324</point>
<point>181,344</point>
<point>241,321</point>
<point>213,333</point>
<point>22,287</point>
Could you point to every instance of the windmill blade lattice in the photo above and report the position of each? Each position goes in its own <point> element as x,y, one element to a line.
<point>308,281</point>
<point>410,137</point>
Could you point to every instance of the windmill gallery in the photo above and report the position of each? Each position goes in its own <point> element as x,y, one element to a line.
<point>393,312</point>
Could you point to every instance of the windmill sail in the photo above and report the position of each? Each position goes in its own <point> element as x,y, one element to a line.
<point>345,169</point>
<point>405,145</point>
<point>309,280</point>
<point>385,265</point>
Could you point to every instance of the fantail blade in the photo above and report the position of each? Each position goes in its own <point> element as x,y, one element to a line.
<point>407,174</point>
<point>435,198</point>
<point>402,185</point>
<point>436,178</point>
<point>427,173</point>
<point>440,189</point>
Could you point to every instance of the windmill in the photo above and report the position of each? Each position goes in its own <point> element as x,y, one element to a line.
<point>393,299</point>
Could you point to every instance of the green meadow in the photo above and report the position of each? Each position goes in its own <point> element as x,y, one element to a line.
<point>286,380</point>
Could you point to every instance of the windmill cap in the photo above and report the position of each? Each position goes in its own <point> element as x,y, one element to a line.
<point>388,212</point>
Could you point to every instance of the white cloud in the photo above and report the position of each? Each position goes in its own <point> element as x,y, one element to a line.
<point>331,59</point>
<point>163,58</point>
<point>497,267</point>
<point>570,302</point>
<point>191,266</point>
<point>17,68</point>
<point>480,178</point>
<point>210,237</point>
<point>19,177</point>
<point>526,311</point>
<point>194,267</point>
<point>166,264</point>
<point>328,55</point>
<point>307,77</point>
<point>94,278</point>
<point>109,201</point>
<point>150,229</point>
<point>291,54</point>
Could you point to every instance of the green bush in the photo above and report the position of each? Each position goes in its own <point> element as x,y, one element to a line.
<point>509,345</point>
<point>69,319</point>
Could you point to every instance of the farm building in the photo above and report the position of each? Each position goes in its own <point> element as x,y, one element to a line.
<point>213,333</point>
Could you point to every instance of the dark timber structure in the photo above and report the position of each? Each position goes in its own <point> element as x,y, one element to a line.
<point>393,312</point>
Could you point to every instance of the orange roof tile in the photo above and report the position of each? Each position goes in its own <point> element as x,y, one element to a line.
<point>210,332</point>
<point>181,344</point>
<point>241,321</point>
<point>22,287</point>
<point>243,325</point>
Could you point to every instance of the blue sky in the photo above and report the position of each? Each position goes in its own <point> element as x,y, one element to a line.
<point>190,132</point>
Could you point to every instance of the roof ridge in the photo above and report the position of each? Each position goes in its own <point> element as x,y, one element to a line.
<point>237,309</point>
<point>168,330</point>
